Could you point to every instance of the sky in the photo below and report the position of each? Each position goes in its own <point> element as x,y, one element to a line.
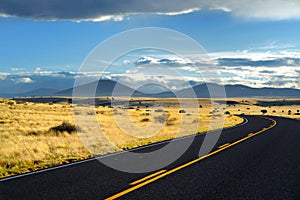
<point>255,43</point>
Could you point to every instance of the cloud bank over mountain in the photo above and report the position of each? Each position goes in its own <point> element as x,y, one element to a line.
<point>278,69</point>
<point>103,10</point>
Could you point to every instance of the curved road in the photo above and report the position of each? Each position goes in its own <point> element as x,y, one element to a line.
<point>259,160</point>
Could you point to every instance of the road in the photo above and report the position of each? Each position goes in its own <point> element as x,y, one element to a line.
<point>258,160</point>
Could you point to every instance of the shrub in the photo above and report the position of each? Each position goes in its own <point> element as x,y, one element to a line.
<point>145,120</point>
<point>10,103</point>
<point>32,133</point>
<point>64,127</point>
<point>195,121</point>
<point>161,118</point>
<point>171,121</point>
<point>100,112</point>
<point>227,113</point>
<point>263,111</point>
<point>20,102</point>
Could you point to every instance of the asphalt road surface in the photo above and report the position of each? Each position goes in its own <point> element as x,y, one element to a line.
<point>258,160</point>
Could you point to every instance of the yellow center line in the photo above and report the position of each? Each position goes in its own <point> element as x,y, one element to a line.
<point>224,145</point>
<point>147,177</point>
<point>189,163</point>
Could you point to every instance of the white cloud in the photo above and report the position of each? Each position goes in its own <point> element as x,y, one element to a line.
<point>116,18</point>
<point>15,69</point>
<point>280,71</point>
<point>137,79</point>
<point>179,12</point>
<point>168,61</point>
<point>126,62</point>
<point>251,67</point>
<point>268,10</point>
<point>24,80</point>
<point>255,55</point>
<point>3,76</point>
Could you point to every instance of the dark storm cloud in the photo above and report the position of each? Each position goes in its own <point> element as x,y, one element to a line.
<point>100,10</point>
<point>88,9</point>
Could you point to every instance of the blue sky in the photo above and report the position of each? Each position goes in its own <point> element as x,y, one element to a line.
<point>62,45</point>
<point>53,42</point>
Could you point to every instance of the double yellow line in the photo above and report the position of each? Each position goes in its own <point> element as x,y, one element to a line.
<point>160,174</point>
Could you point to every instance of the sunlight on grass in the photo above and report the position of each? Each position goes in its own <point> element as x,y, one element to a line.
<point>39,135</point>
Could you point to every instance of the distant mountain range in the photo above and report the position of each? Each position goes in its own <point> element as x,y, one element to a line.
<point>37,92</point>
<point>106,88</point>
<point>103,88</point>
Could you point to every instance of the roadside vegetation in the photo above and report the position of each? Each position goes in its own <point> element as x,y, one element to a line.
<point>289,108</point>
<point>39,135</point>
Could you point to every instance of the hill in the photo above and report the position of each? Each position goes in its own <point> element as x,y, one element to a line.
<point>106,88</point>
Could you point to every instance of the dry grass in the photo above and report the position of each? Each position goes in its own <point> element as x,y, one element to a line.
<point>274,107</point>
<point>26,142</point>
<point>36,135</point>
<point>31,136</point>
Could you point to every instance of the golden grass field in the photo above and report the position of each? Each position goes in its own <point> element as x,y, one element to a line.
<point>274,107</point>
<point>29,141</point>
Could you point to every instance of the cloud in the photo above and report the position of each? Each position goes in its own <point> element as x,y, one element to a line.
<point>267,72</point>
<point>24,80</point>
<point>278,69</point>
<point>126,62</point>
<point>160,83</point>
<point>3,76</point>
<point>270,62</point>
<point>170,61</point>
<point>14,69</point>
<point>20,82</point>
<point>103,10</point>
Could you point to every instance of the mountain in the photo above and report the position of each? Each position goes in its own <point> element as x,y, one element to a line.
<point>106,87</point>
<point>244,91</point>
<point>37,92</point>
<point>17,84</point>
<point>202,91</point>
<point>40,92</point>
<point>103,88</point>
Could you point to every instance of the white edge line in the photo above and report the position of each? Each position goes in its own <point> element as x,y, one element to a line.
<point>113,154</point>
